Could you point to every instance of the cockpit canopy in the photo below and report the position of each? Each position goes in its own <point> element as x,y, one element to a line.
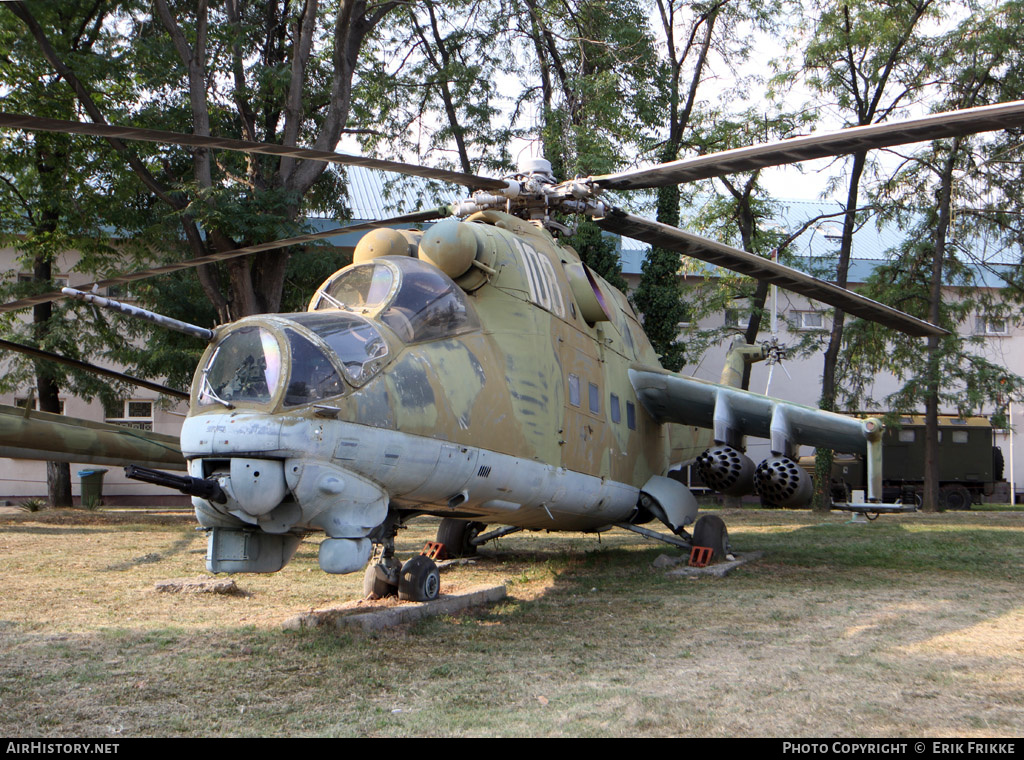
<point>337,345</point>
<point>412,297</point>
<point>247,366</point>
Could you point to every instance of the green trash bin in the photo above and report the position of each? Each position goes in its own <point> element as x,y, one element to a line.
<point>92,487</point>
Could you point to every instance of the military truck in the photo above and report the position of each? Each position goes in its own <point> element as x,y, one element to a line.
<point>970,465</point>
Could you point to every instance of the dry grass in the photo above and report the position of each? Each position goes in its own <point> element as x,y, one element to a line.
<point>910,626</point>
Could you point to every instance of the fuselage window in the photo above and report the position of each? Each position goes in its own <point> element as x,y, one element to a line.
<point>574,390</point>
<point>630,415</point>
<point>595,398</point>
<point>616,414</point>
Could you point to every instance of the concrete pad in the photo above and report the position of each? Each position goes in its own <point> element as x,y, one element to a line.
<point>388,617</point>
<point>718,570</point>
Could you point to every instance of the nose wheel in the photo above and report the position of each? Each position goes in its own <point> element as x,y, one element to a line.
<point>419,581</point>
<point>381,578</point>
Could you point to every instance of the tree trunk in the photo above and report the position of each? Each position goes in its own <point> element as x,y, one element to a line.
<point>931,501</point>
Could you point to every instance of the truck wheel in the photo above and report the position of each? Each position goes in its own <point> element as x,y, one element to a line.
<point>956,497</point>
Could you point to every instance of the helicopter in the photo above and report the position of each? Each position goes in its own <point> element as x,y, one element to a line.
<point>479,371</point>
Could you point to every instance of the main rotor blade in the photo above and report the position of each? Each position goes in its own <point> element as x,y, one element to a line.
<point>725,256</point>
<point>144,274</point>
<point>35,123</point>
<point>38,353</point>
<point>852,140</point>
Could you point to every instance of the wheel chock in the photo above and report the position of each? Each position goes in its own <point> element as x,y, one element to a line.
<point>700,556</point>
<point>434,550</point>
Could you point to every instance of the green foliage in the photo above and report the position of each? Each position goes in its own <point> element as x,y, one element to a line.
<point>740,216</point>
<point>975,62</point>
<point>697,36</point>
<point>599,252</point>
<point>430,86</point>
<point>33,505</point>
<point>590,78</point>
<point>966,380</point>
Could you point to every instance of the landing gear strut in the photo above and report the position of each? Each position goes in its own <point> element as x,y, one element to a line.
<point>382,574</point>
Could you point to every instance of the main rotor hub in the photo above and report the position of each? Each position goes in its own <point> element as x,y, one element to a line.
<point>535,165</point>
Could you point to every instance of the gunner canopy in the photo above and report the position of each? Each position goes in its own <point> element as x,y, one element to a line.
<point>413,298</point>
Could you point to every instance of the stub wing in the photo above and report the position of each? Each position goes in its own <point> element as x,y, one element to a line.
<point>732,413</point>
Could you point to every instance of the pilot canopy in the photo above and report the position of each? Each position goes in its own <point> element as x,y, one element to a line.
<point>338,345</point>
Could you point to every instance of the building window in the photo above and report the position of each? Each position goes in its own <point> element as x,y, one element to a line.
<point>810,320</point>
<point>23,402</point>
<point>131,414</point>
<point>122,292</point>
<point>994,326</point>
<point>732,318</point>
<point>60,280</point>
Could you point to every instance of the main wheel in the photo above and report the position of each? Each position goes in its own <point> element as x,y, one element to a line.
<point>457,536</point>
<point>420,581</point>
<point>377,581</point>
<point>710,531</point>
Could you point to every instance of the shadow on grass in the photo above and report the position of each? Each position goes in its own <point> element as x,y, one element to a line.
<point>178,547</point>
<point>984,552</point>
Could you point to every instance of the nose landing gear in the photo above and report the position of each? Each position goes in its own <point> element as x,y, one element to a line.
<point>418,580</point>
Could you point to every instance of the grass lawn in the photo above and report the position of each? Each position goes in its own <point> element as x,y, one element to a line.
<point>912,625</point>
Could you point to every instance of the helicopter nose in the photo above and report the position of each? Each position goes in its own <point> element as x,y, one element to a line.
<point>258,485</point>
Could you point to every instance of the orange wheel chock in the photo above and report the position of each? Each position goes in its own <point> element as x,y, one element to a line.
<point>700,556</point>
<point>434,550</point>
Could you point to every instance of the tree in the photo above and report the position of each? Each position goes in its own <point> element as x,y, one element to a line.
<point>46,213</point>
<point>287,78</point>
<point>869,59</point>
<point>588,74</point>
<point>696,36</point>
<point>431,86</point>
<point>741,214</point>
<point>976,63</point>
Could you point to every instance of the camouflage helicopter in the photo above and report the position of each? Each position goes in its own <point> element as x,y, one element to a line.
<point>479,371</point>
